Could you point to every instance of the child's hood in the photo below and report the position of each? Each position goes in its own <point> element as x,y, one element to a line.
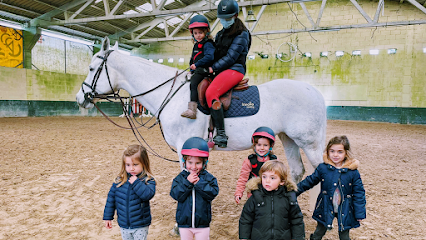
<point>254,183</point>
<point>349,163</point>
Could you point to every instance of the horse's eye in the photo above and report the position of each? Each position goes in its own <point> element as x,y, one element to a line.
<point>91,69</point>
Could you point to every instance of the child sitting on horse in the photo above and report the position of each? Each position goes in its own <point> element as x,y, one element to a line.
<point>202,58</point>
<point>342,193</point>
<point>263,140</point>
<point>130,194</point>
<point>194,189</point>
<point>272,211</point>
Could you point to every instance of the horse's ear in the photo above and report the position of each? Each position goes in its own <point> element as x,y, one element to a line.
<point>105,45</point>
<point>115,48</point>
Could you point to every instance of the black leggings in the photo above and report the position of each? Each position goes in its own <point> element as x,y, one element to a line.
<point>321,230</point>
<point>195,80</point>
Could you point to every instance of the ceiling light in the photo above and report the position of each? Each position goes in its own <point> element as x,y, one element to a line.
<point>339,53</point>
<point>356,52</point>
<point>307,54</point>
<point>250,16</point>
<point>374,52</point>
<point>391,50</point>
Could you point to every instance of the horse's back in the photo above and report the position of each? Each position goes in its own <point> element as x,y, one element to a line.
<point>291,89</point>
<point>298,106</point>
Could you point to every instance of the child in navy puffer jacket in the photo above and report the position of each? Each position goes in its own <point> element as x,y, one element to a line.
<point>194,189</point>
<point>342,193</point>
<point>130,195</point>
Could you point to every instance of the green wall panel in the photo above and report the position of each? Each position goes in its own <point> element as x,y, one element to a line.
<point>378,114</point>
<point>23,108</point>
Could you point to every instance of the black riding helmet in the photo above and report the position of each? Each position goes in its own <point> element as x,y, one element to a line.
<point>227,9</point>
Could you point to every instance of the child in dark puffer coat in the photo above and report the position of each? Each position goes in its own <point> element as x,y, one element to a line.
<point>272,212</point>
<point>342,193</point>
<point>130,195</point>
<point>194,188</point>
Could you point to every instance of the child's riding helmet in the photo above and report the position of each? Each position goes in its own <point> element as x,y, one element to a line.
<point>264,132</point>
<point>199,21</point>
<point>196,147</point>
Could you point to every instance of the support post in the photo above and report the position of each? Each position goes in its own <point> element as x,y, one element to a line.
<point>31,36</point>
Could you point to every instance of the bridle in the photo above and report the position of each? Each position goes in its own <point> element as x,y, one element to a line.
<point>89,97</point>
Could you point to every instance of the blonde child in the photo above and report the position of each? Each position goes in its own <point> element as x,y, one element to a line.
<point>202,58</point>
<point>130,195</point>
<point>272,212</point>
<point>342,192</point>
<point>194,189</point>
<point>263,140</point>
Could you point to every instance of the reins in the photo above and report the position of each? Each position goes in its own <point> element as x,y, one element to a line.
<point>90,96</point>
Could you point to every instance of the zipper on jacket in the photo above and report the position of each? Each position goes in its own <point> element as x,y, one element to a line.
<point>341,204</point>
<point>193,208</point>
<point>128,208</point>
<point>272,216</point>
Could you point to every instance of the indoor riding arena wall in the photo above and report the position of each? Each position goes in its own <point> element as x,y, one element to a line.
<point>49,87</point>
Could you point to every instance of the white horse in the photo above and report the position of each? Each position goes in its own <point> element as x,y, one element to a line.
<point>294,110</point>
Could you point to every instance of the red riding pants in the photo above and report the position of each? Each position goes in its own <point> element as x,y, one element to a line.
<point>221,84</point>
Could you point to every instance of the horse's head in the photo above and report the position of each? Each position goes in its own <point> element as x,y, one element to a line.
<point>98,81</point>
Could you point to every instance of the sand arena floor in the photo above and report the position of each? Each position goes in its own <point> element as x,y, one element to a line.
<point>55,173</point>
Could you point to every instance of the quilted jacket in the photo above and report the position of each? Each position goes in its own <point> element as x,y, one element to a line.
<point>202,194</point>
<point>131,202</point>
<point>231,51</point>
<point>348,179</point>
<point>271,215</point>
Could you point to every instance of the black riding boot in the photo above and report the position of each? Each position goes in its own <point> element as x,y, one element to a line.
<point>221,140</point>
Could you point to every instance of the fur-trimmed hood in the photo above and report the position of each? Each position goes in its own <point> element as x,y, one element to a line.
<point>349,163</point>
<point>254,183</point>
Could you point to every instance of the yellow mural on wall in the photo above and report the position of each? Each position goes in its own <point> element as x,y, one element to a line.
<point>11,48</point>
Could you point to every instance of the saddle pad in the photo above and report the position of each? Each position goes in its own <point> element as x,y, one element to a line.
<point>243,103</point>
